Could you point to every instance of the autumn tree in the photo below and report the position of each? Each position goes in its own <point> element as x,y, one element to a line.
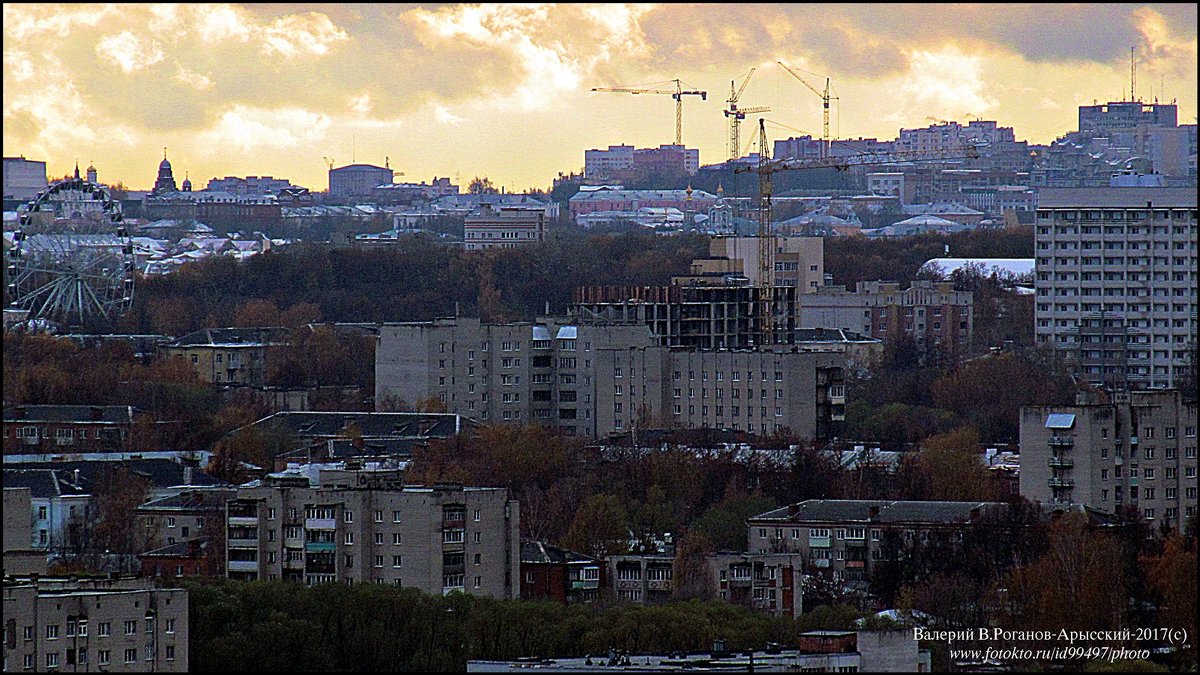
<point>691,575</point>
<point>1172,576</point>
<point>1079,582</point>
<point>481,186</point>
<point>599,528</point>
<point>949,467</point>
<point>117,493</point>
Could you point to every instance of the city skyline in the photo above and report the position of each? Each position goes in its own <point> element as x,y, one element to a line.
<point>463,90</point>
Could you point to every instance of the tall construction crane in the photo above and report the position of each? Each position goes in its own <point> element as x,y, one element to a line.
<point>826,97</point>
<point>736,115</point>
<point>678,93</point>
<point>766,168</point>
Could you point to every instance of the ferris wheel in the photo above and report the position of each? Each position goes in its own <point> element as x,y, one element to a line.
<point>71,259</point>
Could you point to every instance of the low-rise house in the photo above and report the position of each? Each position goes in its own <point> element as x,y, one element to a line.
<point>230,355</point>
<point>645,579</point>
<point>41,429</point>
<point>767,582</point>
<point>851,537</point>
<point>553,573</point>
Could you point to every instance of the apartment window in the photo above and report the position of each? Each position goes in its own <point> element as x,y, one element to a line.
<point>104,629</point>
<point>396,539</point>
<point>397,561</point>
<point>349,516</point>
<point>349,540</point>
<point>477,536</point>
<point>52,660</point>
<point>378,561</point>
<point>170,522</point>
<point>170,652</point>
<point>130,627</point>
<point>52,632</point>
<point>169,626</point>
<point>131,654</point>
<point>379,516</point>
<point>103,656</point>
<point>478,582</point>
<point>379,539</point>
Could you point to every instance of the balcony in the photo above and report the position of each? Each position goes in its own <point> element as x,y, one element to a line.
<point>243,520</point>
<point>320,547</point>
<point>1061,462</point>
<point>585,584</point>
<point>821,562</point>
<point>1062,441</point>
<point>819,542</point>
<point>1062,482</point>
<point>243,566</point>
<point>658,585</point>
<point>293,564</point>
<point>741,582</point>
<point>629,584</point>
<point>1133,440</point>
<point>855,564</point>
<point>243,542</point>
<point>320,524</point>
<point>293,542</point>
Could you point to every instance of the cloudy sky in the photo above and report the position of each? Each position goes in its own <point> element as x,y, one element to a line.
<point>504,90</point>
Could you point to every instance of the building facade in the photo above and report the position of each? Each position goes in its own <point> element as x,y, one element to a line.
<point>1136,449</point>
<point>23,178</point>
<point>1116,282</point>
<point>41,429</point>
<point>357,180</point>
<point>367,527</point>
<point>250,186</point>
<point>557,574</point>
<point>503,227</point>
<point>939,318</point>
<point>230,355</point>
<point>766,582</point>
<point>596,379</point>
<point>850,537</point>
<point>105,625</point>
<point>1116,115</point>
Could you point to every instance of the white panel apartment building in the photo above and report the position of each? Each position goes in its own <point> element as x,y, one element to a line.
<point>1116,281</point>
<point>1138,449</point>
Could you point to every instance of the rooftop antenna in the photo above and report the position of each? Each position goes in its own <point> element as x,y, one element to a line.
<point>353,149</point>
<point>1132,74</point>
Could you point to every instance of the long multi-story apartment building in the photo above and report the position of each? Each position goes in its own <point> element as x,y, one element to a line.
<point>368,527</point>
<point>1116,282</point>
<point>100,624</point>
<point>1136,449</point>
<point>596,379</point>
<point>850,537</point>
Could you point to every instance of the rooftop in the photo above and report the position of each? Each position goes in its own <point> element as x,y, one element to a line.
<point>860,510</point>
<point>1116,197</point>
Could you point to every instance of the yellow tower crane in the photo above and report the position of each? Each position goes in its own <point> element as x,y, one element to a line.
<point>826,97</point>
<point>678,93</point>
<point>736,115</point>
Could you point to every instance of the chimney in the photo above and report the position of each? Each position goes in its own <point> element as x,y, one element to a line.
<point>874,511</point>
<point>75,477</point>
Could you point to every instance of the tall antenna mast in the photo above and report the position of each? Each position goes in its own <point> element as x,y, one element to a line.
<point>1132,75</point>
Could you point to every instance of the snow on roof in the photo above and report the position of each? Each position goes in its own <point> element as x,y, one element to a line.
<point>1014,266</point>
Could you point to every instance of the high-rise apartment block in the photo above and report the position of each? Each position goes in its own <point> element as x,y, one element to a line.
<point>1135,449</point>
<point>596,379</point>
<point>366,526</point>
<point>85,625</point>
<point>1116,282</point>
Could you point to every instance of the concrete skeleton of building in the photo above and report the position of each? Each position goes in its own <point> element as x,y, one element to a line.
<point>1116,282</point>
<point>366,526</point>
<point>94,624</point>
<point>1136,449</point>
<point>595,379</point>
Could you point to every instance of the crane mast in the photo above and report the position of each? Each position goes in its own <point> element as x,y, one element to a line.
<point>825,97</point>
<point>766,240</point>
<point>736,115</point>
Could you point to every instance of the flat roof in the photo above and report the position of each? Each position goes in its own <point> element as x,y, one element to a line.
<point>1124,197</point>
